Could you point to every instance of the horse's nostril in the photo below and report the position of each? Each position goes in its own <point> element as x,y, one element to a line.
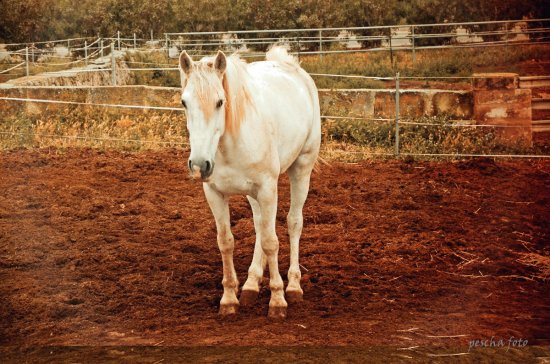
<point>190,164</point>
<point>208,166</point>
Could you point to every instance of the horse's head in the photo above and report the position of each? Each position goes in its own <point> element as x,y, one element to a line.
<point>203,98</point>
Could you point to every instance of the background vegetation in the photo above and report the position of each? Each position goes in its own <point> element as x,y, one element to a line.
<point>36,20</point>
<point>429,63</point>
<point>343,139</point>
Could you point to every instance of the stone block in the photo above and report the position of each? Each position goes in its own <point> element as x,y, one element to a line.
<point>508,108</point>
<point>495,81</point>
<point>456,105</point>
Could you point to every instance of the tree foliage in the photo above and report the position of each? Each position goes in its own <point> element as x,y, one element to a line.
<point>34,20</point>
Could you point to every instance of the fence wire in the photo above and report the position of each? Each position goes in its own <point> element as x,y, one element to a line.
<point>161,108</point>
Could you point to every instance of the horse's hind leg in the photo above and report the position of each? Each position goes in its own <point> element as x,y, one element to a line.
<point>251,287</point>
<point>299,174</point>
<point>218,203</point>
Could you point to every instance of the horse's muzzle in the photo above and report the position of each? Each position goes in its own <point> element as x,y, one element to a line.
<point>201,168</point>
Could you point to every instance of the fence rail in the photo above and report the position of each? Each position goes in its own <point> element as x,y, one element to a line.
<point>315,41</point>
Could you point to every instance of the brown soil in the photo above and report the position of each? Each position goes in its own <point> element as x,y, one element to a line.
<point>112,248</point>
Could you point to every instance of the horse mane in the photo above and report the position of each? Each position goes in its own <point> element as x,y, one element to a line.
<point>235,88</point>
<point>237,93</point>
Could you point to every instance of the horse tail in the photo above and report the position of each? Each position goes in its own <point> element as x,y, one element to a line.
<point>280,55</point>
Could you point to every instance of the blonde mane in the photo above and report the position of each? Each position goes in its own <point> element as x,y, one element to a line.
<point>237,93</point>
<point>235,88</point>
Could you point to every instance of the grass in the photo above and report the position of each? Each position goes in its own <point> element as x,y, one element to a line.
<point>461,62</point>
<point>74,127</point>
<point>441,137</point>
<point>155,59</point>
<point>345,140</point>
<point>428,63</point>
<point>51,64</point>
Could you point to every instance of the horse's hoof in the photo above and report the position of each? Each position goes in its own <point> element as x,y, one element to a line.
<point>229,309</point>
<point>276,313</point>
<point>294,296</point>
<point>248,297</point>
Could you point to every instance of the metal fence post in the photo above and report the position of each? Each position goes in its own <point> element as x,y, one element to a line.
<point>113,64</point>
<point>321,44</point>
<point>69,46</point>
<point>506,36</point>
<point>151,34</point>
<point>135,41</point>
<point>391,51</point>
<point>101,48</point>
<point>413,50</point>
<point>397,113</point>
<point>166,41</point>
<point>32,53</point>
<point>118,38</point>
<point>27,60</point>
<point>86,52</point>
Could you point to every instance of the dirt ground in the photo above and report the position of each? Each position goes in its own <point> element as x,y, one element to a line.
<point>112,248</point>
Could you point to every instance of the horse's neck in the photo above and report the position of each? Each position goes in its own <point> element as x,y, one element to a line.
<point>254,136</point>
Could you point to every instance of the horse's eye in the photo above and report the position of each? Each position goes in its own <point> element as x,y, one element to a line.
<point>219,103</point>
<point>184,104</point>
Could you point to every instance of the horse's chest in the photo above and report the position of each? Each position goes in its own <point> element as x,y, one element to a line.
<point>230,183</point>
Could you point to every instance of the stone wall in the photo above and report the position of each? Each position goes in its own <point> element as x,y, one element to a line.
<point>122,95</point>
<point>365,103</point>
<point>412,103</point>
<point>498,100</point>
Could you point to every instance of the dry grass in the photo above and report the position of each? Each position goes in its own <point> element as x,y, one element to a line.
<point>539,262</point>
<point>73,127</point>
<point>345,140</point>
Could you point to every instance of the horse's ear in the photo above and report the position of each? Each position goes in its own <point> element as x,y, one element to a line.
<point>185,62</point>
<point>220,63</point>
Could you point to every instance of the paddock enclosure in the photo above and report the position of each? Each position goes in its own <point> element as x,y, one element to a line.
<point>116,248</point>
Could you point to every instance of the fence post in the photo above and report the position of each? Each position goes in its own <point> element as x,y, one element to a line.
<point>151,34</point>
<point>413,51</point>
<point>113,64</point>
<point>118,38</point>
<point>32,53</point>
<point>397,113</point>
<point>135,41</point>
<point>321,43</point>
<point>506,34</point>
<point>166,41</point>
<point>391,51</point>
<point>86,52</point>
<point>101,48</point>
<point>69,46</point>
<point>27,60</point>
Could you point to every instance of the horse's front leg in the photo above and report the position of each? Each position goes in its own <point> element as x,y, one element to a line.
<point>251,287</point>
<point>218,203</point>
<point>267,200</point>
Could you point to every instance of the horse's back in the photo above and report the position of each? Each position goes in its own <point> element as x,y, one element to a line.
<point>289,101</point>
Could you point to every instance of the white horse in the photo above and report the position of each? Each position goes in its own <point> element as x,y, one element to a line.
<point>248,124</point>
